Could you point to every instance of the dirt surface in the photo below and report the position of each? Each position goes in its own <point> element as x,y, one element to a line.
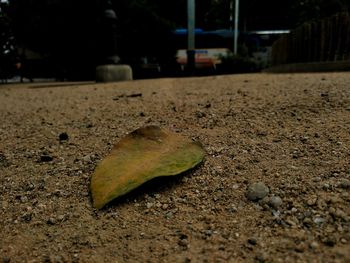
<point>290,132</point>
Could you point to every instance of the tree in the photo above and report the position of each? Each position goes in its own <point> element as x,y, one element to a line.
<point>307,10</point>
<point>62,31</point>
<point>7,44</point>
<point>65,32</point>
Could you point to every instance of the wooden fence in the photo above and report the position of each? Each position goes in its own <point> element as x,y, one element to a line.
<point>316,41</point>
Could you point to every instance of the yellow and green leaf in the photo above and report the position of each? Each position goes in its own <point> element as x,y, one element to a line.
<point>142,155</point>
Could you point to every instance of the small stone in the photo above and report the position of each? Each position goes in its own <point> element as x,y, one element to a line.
<point>261,258</point>
<point>57,259</point>
<point>330,241</point>
<point>169,215</point>
<point>300,248</point>
<point>265,201</point>
<point>326,186</point>
<point>183,242</point>
<point>46,158</point>
<point>24,199</point>
<point>208,105</point>
<point>27,217</point>
<point>29,186</point>
<point>319,220</point>
<point>134,95</point>
<point>51,221</point>
<point>340,214</point>
<point>276,213</point>
<point>294,210</point>
<point>252,241</point>
<point>60,218</point>
<point>312,200</point>
<point>4,204</point>
<point>331,210</point>
<point>3,161</point>
<point>149,205</point>
<point>314,245</point>
<point>200,114</point>
<point>290,222</point>
<point>257,191</point>
<point>275,202</point>
<point>344,183</point>
<point>63,136</point>
<point>307,222</point>
<point>87,159</point>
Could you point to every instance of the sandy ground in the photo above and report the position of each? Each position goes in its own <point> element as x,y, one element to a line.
<point>289,131</point>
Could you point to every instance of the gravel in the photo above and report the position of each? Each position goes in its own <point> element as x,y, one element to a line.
<point>272,131</point>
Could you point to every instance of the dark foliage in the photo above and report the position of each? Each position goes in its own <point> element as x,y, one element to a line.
<point>66,33</point>
<point>8,56</point>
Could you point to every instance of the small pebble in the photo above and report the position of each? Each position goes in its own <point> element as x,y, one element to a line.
<point>257,191</point>
<point>200,114</point>
<point>344,183</point>
<point>63,136</point>
<point>27,217</point>
<point>312,200</point>
<point>330,242</point>
<point>4,204</point>
<point>169,215</point>
<point>252,241</point>
<point>183,242</point>
<point>87,158</point>
<point>275,202</point>
<point>24,199</point>
<point>276,214</point>
<point>319,220</point>
<point>60,218</point>
<point>51,221</point>
<point>300,248</point>
<point>314,245</point>
<point>46,158</point>
<point>3,161</point>
<point>307,222</point>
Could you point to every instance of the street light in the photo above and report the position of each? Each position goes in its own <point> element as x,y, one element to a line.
<point>236,27</point>
<point>191,35</point>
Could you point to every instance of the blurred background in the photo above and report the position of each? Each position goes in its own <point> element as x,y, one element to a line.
<point>59,39</point>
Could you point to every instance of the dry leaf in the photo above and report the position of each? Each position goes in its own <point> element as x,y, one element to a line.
<point>142,155</point>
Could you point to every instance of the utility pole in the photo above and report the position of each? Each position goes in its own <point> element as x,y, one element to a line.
<point>236,27</point>
<point>191,52</point>
<point>231,15</point>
